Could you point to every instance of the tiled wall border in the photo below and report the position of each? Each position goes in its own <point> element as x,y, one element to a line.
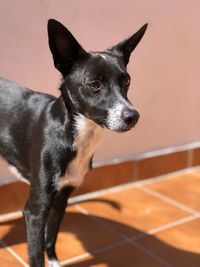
<point>141,166</point>
<point>132,168</point>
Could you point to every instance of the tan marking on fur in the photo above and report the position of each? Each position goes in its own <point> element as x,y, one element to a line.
<point>87,137</point>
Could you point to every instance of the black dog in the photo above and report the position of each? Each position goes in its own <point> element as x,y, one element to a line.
<point>51,141</point>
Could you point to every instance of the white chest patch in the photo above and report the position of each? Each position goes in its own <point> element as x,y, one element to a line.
<point>88,133</point>
<point>18,175</point>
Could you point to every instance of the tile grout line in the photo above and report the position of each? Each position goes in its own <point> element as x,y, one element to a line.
<point>13,253</point>
<point>133,184</point>
<point>75,258</point>
<point>167,226</point>
<point>151,254</point>
<point>152,231</point>
<point>168,176</point>
<point>168,199</point>
<point>149,154</point>
<point>97,251</point>
<point>81,209</point>
<point>111,246</point>
<point>173,224</point>
<point>86,212</point>
<point>10,215</point>
<point>135,172</point>
<point>133,241</point>
<point>190,158</point>
<point>114,245</point>
<point>195,214</point>
<point>159,229</point>
<point>115,189</point>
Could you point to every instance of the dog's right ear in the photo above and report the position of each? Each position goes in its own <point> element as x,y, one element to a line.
<point>64,47</point>
<point>126,47</point>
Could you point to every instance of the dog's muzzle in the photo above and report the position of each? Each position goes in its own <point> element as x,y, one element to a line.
<point>130,117</point>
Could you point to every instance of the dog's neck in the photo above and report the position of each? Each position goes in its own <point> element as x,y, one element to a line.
<point>87,133</point>
<point>85,136</point>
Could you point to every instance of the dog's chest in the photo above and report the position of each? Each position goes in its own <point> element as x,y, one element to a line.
<point>87,136</point>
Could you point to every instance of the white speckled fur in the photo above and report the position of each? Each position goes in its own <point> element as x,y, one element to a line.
<point>114,119</point>
<point>87,135</point>
<point>53,263</point>
<point>103,56</point>
<point>114,116</point>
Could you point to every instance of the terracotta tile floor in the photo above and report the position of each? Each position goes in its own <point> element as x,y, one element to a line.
<point>146,224</point>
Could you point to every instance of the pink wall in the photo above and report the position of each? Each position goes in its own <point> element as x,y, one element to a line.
<point>165,67</point>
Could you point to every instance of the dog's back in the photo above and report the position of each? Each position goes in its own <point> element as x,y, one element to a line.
<point>20,111</point>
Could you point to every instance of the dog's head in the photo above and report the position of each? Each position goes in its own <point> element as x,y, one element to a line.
<point>96,82</point>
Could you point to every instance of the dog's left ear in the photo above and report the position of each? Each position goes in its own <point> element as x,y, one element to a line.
<point>126,47</point>
<point>64,47</point>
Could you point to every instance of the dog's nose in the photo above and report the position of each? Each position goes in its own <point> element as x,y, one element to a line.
<point>130,116</point>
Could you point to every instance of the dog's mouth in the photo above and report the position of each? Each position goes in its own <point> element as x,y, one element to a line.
<point>122,126</point>
<point>118,124</point>
<point>122,121</point>
<point>124,129</point>
<point>119,128</point>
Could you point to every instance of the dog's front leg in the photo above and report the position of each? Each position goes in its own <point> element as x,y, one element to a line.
<point>55,216</point>
<point>35,213</point>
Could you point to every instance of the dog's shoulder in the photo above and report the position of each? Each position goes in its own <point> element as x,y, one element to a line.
<point>13,95</point>
<point>10,89</point>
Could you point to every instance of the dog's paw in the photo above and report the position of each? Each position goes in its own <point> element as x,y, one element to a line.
<point>53,263</point>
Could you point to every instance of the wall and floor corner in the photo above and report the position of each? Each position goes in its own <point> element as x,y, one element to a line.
<point>164,70</point>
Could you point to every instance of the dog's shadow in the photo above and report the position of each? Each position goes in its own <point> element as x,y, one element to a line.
<point>81,227</point>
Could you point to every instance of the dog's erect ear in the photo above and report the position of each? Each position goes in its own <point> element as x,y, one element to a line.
<point>126,47</point>
<point>64,47</point>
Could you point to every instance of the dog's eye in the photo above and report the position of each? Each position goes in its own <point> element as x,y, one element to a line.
<point>95,86</point>
<point>126,81</point>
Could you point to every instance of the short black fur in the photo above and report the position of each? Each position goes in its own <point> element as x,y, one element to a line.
<point>39,132</point>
